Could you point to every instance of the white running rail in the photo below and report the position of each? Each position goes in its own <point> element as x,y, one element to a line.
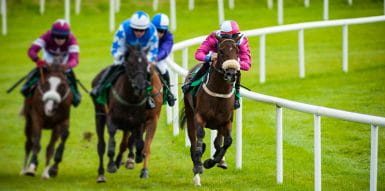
<point>280,103</point>
<point>300,27</point>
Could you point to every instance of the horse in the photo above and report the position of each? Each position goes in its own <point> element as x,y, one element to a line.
<point>212,106</point>
<point>126,110</point>
<point>47,108</point>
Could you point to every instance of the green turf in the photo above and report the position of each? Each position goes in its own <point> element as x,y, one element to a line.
<point>345,145</point>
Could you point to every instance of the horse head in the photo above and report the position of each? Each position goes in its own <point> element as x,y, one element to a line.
<point>54,88</point>
<point>137,69</point>
<point>227,60</point>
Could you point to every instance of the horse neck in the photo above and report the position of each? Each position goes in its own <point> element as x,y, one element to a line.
<point>126,91</point>
<point>217,83</point>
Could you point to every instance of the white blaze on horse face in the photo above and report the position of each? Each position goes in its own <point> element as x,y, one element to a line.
<point>48,108</point>
<point>52,93</point>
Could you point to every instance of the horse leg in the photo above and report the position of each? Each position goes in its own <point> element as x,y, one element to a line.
<point>100,125</point>
<point>64,133</point>
<point>49,151</point>
<point>222,164</point>
<point>36,134</point>
<point>28,143</point>
<point>139,144</point>
<point>122,148</point>
<point>217,144</point>
<point>209,163</point>
<point>150,132</point>
<point>130,164</point>
<point>111,168</point>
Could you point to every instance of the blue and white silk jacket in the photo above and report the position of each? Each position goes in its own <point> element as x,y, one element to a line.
<point>125,36</point>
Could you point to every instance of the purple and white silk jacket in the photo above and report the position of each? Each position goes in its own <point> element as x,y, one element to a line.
<point>69,51</point>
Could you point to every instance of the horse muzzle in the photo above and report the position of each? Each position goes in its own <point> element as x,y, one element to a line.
<point>230,75</point>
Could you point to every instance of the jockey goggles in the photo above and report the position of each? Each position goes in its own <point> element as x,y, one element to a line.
<point>139,30</point>
<point>229,35</point>
<point>60,36</point>
<point>161,30</point>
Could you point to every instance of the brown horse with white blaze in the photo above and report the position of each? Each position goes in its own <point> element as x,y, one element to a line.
<point>212,106</point>
<point>48,108</point>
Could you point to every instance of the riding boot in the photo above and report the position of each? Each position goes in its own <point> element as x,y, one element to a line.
<point>202,71</point>
<point>30,82</point>
<point>150,100</point>
<point>74,88</point>
<point>95,92</point>
<point>237,95</point>
<point>170,97</point>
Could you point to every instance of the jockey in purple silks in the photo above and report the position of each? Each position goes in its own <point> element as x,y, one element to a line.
<point>59,45</point>
<point>166,41</point>
<point>207,53</point>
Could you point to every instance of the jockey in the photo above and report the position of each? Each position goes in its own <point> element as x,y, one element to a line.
<point>58,45</point>
<point>137,30</point>
<point>166,41</point>
<point>207,53</point>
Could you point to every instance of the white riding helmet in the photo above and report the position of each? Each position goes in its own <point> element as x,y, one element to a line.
<point>140,20</point>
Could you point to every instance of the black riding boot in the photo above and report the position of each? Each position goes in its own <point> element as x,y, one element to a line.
<point>74,88</point>
<point>170,97</point>
<point>237,95</point>
<point>30,82</point>
<point>202,71</point>
<point>95,92</point>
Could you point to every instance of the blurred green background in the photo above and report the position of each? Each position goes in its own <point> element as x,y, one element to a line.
<point>345,145</point>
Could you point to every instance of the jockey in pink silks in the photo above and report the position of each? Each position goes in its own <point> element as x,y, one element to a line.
<point>207,53</point>
<point>59,45</point>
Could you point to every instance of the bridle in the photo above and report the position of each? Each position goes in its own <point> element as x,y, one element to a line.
<point>220,70</point>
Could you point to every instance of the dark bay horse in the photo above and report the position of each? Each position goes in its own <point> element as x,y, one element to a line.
<point>213,106</point>
<point>126,110</point>
<point>48,108</point>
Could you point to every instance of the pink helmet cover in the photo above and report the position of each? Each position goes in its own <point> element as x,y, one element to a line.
<point>229,27</point>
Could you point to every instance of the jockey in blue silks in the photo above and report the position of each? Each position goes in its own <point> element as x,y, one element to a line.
<point>166,41</point>
<point>138,30</point>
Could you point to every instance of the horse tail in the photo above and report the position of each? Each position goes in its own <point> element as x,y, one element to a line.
<point>182,117</point>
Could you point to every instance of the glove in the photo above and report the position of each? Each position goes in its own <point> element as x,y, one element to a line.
<point>40,63</point>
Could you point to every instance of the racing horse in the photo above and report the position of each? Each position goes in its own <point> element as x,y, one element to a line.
<point>212,106</point>
<point>126,110</point>
<point>47,108</point>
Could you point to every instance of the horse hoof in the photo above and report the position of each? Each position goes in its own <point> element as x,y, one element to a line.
<point>197,180</point>
<point>101,179</point>
<point>130,163</point>
<point>209,163</point>
<point>53,171</point>
<point>112,168</point>
<point>144,173</point>
<point>45,174</point>
<point>138,158</point>
<point>222,164</point>
<point>31,170</point>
